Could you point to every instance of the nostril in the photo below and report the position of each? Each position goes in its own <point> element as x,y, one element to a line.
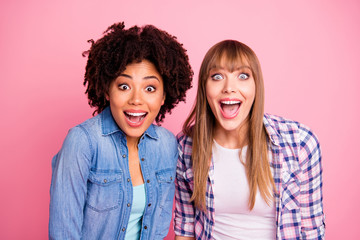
<point>228,90</point>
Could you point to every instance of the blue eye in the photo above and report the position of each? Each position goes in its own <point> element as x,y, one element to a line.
<point>123,87</point>
<point>150,89</point>
<point>243,76</point>
<point>217,76</point>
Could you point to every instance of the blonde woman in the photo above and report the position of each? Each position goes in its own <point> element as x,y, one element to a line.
<point>243,174</point>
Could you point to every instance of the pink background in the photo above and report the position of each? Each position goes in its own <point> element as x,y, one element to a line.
<point>309,52</point>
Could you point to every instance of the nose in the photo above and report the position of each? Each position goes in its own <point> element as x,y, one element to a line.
<point>228,85</point>
<point>136,97</point>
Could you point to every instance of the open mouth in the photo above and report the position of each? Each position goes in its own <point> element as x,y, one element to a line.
<point>135,118</point>
<point>230,108</point>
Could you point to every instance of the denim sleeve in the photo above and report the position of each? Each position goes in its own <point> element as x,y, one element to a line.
<point>166,178</point>
<point>71,168</point>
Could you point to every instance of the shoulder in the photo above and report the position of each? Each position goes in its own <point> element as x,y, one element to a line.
<point>83,129</point>
<point>183,138</point>
<point>279,124</point>
<point>163,135</point>
<point>184,141</point>
<point>162,132</point>
<point>290,131</point>
<point>91,124</point>
<point>184,149</point>
<point>164,140</point>
<point>81,135</point>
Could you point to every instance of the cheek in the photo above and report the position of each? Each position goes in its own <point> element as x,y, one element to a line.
<point>249,91</point>
<point>156,102</point>
<point>210,92</point>
<point>210,100</point>
<point>251,94</point>
<point>116,100</point>
<point>253,90</point>
<point>211,103</point>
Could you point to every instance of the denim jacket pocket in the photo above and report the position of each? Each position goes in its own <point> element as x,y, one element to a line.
<point>104,190</point>
<point>165,179</point>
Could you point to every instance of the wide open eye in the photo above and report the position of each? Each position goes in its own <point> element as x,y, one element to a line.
<point>150,89</point>
<point>217,76</point>
<point>123,87</point>
<point>244,76</point>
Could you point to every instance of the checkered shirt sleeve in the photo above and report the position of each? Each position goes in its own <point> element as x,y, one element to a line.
<point>312,216</point>
<point>184,208</point>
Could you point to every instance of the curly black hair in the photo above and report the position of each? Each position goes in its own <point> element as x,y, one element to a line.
<point>108,57</point>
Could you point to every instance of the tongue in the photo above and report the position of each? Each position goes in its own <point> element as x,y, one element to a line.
<point>230,109</point>
<point>135,118</point>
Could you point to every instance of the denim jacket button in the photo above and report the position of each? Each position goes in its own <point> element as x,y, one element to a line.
<point>105,181</point>
<point>128,204</point>
<point>148,181</point>
<point>123,229</point>
<point>124,156</point>
<point>142,159</point>
<point>145,227</point>
<point>149,205</point>
<point>128,179</point>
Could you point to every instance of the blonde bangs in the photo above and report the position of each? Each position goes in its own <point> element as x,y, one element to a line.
<point>229,57</point>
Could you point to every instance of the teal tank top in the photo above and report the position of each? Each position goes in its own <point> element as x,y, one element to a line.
<point>137,211</point>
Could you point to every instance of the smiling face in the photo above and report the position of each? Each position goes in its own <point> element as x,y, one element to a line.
<point>136,97</point>
<point>230,95</point>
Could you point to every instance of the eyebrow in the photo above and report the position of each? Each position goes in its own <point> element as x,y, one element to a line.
<point>243,67</point>
<point>225,68</point>
<point>145,78</point>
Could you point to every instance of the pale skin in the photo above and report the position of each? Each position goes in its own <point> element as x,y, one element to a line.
<point>223,86</point>
<point>184,238</point>
<point>236,86</point>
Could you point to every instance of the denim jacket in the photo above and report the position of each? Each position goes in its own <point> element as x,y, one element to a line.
<point>91,189</point>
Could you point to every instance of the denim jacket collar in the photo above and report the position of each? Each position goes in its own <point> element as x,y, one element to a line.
<point>109,126</point>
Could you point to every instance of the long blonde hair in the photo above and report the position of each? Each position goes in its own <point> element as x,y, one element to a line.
<point>200,124</point>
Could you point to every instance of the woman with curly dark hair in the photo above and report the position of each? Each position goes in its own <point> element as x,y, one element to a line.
<point>114,175</point>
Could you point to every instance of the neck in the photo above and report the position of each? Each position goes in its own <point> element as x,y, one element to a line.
<point>232,139</point>
<point>132,142</point>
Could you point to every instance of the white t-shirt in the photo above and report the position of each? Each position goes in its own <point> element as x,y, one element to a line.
<point>233,219</point>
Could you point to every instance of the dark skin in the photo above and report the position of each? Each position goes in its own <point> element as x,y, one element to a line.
<point>120,47</point>
<point>134,164</point>
<point>137,90</point>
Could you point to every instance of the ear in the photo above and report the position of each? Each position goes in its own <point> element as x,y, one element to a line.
<point>163,100</point>
<point>107,97</point>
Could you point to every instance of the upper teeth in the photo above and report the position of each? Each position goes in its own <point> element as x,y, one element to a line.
<point>230,102</point>
<point>135,114</point>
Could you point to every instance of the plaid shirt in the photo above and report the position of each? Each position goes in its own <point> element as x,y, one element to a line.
<point>296,167</point>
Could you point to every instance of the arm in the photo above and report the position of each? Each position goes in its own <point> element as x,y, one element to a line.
<point>312,215</point>
<point>184,238</point>
<point>184,208</point>
<point>68,186</point>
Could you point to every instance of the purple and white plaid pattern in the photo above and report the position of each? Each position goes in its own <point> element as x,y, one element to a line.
<point>296,166</point>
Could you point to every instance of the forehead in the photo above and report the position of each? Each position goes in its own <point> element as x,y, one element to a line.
<point>229,62</point>
<point>141,66</point>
